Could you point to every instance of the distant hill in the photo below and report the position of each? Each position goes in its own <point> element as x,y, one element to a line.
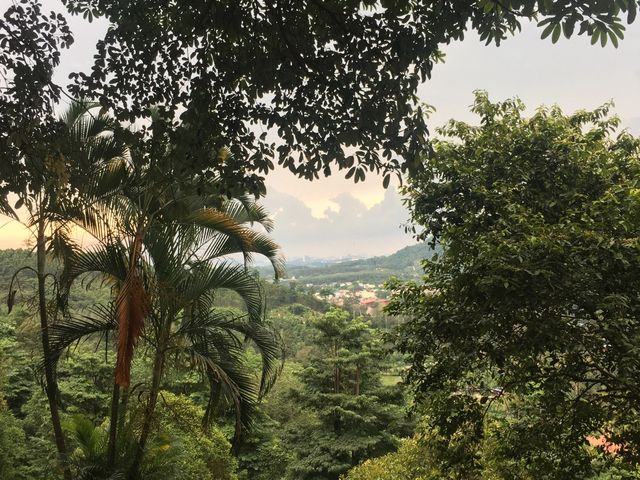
<point>404,263</point>
<point>87,294</point>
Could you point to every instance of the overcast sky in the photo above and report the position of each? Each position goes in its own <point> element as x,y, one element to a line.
<point>334,217</point>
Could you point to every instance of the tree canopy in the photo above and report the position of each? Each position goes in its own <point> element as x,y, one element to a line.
<point>30,45</point>
<point>335,81</point>
<point>532,308</point>
<point>357,417</point>
<point>523,337</point>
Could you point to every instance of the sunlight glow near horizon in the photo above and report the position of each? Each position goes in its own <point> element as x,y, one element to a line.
<point>13,234</point>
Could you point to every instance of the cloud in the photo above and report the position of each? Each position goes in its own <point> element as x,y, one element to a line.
<point>352,229</point>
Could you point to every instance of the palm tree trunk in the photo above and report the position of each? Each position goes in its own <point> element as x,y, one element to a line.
<point>158,367</point>
<point>212,405</point>
<point>51,384</point>
<point>113,426</point>
<point>124,401</point>
<point>336,372</point>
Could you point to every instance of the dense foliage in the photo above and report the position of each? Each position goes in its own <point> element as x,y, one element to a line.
<point>324,75</point>
<point>335,81</point>
<point>303,402</point>
<point>31,41</point>
<point>526,328</point>
<point>355,416</point>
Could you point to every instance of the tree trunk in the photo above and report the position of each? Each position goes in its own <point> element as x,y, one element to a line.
<point>113,427</point>
<point>158,366</point>
<point>212,405</point>
<point>124,401</point>
<point>336,368</point>
<point>51,384</point>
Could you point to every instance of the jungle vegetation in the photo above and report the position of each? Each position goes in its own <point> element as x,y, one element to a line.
<point>153,351</point>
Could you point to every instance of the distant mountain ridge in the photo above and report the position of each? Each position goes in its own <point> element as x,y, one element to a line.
<point>405,264</point>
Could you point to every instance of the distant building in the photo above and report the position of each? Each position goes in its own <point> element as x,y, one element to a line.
<point>604,444</point>
<point>366,294</point>
<point>373,305</point>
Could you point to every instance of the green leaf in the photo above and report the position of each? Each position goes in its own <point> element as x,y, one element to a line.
<point>568,27</point>
<point>350,173</point>
<point>547,31</point>
<point>631,15</point>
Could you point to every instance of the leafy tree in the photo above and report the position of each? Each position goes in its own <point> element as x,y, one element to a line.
<point>295,323</point>
<point>326,291</point>
<point>426,456</point>
<point>322,74</point>
<point>30,45</point>
<point>85,382</point>
<point>356,418</point>
<point>532,309</point>
<point>18,372</point>
<point>264,454</point>
<point>180,450</point>
<point>202,454</point>
<point>12,449</point>
<point>410,462</point>
<point>11,444</point>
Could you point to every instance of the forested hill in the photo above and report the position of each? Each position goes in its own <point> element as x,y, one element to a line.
<point>85,294</point>
<point>404,263</point>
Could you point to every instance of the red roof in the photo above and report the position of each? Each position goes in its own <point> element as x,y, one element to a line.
<point>369,301</point>
<point>372,301</point>
<point>603,443</point>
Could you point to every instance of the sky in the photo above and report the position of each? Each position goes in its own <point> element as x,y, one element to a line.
<point>333,217</point>
<point>572,73</point>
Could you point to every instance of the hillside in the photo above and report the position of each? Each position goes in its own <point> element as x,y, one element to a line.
<point>85,294</point>
<point>404,263</point>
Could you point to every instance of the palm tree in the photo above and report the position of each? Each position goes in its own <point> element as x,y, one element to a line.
<point>166,269</point>
<point>58,168</point>
<point>88,459</point>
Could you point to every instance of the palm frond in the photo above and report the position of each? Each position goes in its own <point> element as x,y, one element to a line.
<point>218,221</point>
<point>235,381</point>
<point>216,245</point>
<point>6,208</point>
<point>96,324</point>
<point>89,438</point>
<point>226,275</point>
<point>76,110</point>
<point>269,344</point>
<point>107,179</point>
<point>246,210</point>
<point>108,259</point>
